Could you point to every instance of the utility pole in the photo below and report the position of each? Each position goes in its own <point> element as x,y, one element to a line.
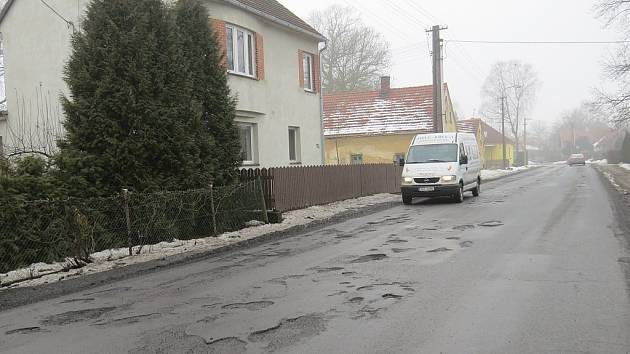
<point>438,127</point>
<point>573,150</point>
<point>503,132</point>
<point>525,141</point>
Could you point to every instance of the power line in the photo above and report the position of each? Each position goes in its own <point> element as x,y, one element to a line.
<point>536,42</point>
<point>68,22</point>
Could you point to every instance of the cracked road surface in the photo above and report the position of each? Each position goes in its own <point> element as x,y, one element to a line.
<point>533,265</point>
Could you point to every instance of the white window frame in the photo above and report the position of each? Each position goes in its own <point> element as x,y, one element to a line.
<point>310,70</point>
<point>253,140</point>
<point>297,147</point>
<point>248,54</point>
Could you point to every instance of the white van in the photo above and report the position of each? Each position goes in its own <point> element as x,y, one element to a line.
<point>443,164</point>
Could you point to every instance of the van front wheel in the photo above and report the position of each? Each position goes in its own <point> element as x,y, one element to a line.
<point>459,197</point>
<point>407,199</point>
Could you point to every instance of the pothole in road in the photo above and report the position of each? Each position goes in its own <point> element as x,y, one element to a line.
<point>401,250</point>
<point>438,250</point>
<point>453,238</point>
<point>250,306</point>
<point>176,340</point>
<point>226,345</point>
<point>288,332</point>
<point>397,240</point>
<point>24,330</point>
<point>392,296</point>
<point>65,318</point>
<point>356,300</point>
<point>129,320</point>
<point>491,224</point>
<point>77,300</point>
<point>464,227</point>
<point>466,244</point>
<point>370,258</point>
<point>326,270</point>
<point>112,291</point>
<point>343,292</point>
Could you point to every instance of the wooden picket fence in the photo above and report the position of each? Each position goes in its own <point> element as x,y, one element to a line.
<point>290,188</point>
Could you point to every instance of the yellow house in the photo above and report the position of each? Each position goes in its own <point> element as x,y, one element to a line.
<point>493,154</point>
<point>474,126</point>
<point>377,126</point>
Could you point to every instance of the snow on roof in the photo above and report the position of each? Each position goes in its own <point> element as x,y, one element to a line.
<point>493,136</point>
<point>395,111</point>
<point>469,125</point>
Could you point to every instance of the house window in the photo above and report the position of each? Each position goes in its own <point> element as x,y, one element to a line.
<point>247,135</point>
<point>307,63</point>
<point>241,51</point>
<point>294,145</point>
<point>356,159</point>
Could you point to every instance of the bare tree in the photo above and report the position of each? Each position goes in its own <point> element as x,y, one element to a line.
<point>616,14</point>
<point>356,55</point>
<point>510,86</point>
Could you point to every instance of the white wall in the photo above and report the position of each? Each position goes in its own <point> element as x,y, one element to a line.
<point>36,45</point>
<point>278,99</point>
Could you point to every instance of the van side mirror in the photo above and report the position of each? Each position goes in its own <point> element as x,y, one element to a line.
<point>463,160</point>
<point>401,162</point>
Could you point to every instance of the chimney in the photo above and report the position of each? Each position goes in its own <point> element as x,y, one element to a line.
<point>385,85</point>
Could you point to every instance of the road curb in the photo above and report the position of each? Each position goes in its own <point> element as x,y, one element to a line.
<point>12,298</point>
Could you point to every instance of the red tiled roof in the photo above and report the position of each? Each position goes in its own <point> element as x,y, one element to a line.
<point>493,136</point>
<point>398,111</point>
<point>469,125</point>
<point>276,10</point>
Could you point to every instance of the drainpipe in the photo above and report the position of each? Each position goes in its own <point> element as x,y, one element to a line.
<point>321,104</point>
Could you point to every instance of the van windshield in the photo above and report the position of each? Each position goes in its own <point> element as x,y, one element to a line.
<point>432,153</point>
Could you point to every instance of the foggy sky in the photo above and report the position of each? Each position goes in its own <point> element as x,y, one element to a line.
<point>568,73</point>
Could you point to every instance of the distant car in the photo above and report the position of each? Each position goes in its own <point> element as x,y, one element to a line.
<point>576,159</point>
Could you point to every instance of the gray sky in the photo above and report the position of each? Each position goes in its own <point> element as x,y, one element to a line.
<point>568,72</point>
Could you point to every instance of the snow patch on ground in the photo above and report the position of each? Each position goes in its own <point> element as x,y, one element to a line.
<point>611,178</point>
<point>42,273</point>
<point>598,162</point>
<point>625,166</point>
<point>494,174</point>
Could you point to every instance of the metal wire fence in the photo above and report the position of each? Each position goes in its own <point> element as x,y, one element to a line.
<point>71,230</point>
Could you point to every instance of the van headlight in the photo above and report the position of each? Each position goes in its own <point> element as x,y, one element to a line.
<point>407,180</point>
<point>449,179</point>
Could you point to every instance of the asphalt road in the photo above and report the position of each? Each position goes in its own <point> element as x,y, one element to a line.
<point>531,266</point>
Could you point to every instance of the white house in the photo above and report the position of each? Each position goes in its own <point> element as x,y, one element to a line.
<point>272,59</point>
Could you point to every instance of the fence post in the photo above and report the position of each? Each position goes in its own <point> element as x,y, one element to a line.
<point>214,216</point>
<point>128,219</point>
<point>262,197</point>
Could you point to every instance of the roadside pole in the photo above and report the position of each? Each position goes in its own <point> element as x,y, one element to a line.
<point>503,132</point>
